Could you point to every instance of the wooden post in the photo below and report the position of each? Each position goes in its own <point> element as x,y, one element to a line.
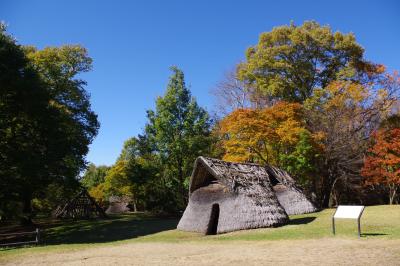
<point>37,236</point>
<point>333,223</point>
<point>359,222</point>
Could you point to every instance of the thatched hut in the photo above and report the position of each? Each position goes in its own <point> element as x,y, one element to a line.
<point>119,205</point>
<point>225,196</point>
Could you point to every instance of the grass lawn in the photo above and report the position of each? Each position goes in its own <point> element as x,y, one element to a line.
<point>378,223</point>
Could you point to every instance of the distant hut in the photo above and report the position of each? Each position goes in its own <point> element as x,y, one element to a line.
<point>119,205</point>
<point>225,196</point>
<point>81,206</point>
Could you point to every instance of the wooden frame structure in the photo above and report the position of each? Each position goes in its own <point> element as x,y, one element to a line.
<point>82,206</point>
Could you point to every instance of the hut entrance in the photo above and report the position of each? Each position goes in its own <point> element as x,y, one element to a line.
<point>274,180</point>
<point>213,224</point>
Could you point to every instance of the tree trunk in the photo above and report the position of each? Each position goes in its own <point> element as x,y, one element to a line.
<point>325,192</point>
<point>328,182</point>
<point>325,199</point>
<point>27,209</point>
<point>327,187</point>
<point>134,202</point>
<point>392,193</point>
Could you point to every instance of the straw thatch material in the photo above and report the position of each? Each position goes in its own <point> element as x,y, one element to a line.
<point>234,196</point>
<point>290,195</point>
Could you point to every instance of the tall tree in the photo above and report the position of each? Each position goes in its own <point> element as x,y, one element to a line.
<point>289,62</point>
<point>180,131</point>
<point>47,123</point>
<point>59,68</point>
<point>24,116</point>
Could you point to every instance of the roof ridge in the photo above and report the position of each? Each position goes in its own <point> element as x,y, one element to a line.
<point>245,163</point>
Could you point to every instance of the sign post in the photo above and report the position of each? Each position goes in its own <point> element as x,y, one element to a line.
<point>348,212</point>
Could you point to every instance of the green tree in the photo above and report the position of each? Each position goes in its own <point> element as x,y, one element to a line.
<point>289,62</point>
<point>117,182</point>
<point>141,167</point>
<point>133,175</point>
<point>24,116</point>
<point>59,68</point>
<point>180,131</point>
<point>46,120</point>
<point>94,175</point>
<point>302,162</point>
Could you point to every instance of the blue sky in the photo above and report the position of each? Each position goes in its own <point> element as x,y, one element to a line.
<point>133,44</point>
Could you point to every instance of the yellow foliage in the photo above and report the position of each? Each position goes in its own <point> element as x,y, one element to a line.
<point>117,182</point>
<point>98,193</point>
<point>344,93</point>
<point>258,135</point>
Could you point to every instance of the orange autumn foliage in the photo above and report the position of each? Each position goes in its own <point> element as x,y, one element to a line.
<point>382,166</point>
<point>260,135</point>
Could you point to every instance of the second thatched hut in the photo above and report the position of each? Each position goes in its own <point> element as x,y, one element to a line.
<point>119,205</point>
<point>226,196</point>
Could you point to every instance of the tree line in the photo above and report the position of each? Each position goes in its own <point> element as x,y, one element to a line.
<point>304,99</point>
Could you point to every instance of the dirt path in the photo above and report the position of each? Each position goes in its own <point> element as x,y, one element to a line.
<point>300,252</point>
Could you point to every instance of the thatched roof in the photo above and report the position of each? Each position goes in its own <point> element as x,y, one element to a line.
<point>289,194</point>
<point>235,175</point>
<point>245,194</point>
<point>228,173</point>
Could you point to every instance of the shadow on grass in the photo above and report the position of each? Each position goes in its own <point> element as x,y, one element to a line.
<point>304,220</point>
<point>372,234</point>
<point>106,230</point>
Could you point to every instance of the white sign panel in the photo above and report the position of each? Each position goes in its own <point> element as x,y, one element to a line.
<point>348,212</point>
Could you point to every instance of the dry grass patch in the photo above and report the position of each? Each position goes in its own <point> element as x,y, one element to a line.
<point>286,252</point>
